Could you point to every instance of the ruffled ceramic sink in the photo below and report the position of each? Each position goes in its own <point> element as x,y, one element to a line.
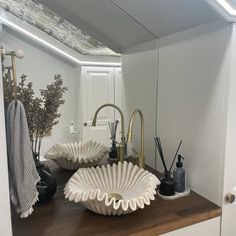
<point>72,156</point>
<point>112,190</point>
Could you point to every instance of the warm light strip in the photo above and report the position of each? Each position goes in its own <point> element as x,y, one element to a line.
<point>58,50</point>
<point>227,7</point>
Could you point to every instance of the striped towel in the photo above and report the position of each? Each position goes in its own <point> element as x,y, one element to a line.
<point>23,175</point>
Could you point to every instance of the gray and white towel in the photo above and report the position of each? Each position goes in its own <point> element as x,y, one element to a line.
<point>23,175</point>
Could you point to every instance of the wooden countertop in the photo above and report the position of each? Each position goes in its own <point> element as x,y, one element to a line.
<point>59,217</point>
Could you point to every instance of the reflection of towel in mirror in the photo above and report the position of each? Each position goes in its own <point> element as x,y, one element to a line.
<point>23,175</point>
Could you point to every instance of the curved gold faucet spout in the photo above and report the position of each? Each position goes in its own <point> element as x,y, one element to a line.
<point>122,143</point>
<point>141,159</point>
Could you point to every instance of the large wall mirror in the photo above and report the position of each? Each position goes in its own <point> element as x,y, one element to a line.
<point>62,75</point>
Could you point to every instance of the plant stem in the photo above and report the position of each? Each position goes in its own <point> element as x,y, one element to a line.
<point>35,144</point>
<point>39,147</point>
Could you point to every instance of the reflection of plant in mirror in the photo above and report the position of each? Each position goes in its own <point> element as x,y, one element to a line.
<point>42,113</point>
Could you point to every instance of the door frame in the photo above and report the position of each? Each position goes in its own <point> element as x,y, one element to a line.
<point>5,214</point>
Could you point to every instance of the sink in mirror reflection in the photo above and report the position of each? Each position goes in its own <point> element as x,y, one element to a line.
<point>72,156</point>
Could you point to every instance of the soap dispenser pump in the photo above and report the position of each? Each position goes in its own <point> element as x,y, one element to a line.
<point>179,176</point>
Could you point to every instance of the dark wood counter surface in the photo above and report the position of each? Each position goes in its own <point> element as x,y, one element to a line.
<point>59,217</point>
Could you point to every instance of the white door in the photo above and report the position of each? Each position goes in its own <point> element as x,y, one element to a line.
<point>98,89</point>
<point>118,99</point>
<point>228,227</point>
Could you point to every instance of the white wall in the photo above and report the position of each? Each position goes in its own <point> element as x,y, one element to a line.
<point>192,100</point>
<point>139,68</point>
<point>192,103</point>
<point>40,66</point>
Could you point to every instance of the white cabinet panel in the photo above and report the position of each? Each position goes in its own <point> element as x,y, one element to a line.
<point>205,228</point>
<point>228,226</point>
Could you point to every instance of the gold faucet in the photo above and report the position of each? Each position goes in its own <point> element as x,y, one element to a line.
<point>141,159</point>
<point>122,143</point>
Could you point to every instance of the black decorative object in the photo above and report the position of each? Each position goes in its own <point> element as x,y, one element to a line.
<point>167,186</point>
<point>113,128</point>
<point>47,185</point>
<point>113,152</point>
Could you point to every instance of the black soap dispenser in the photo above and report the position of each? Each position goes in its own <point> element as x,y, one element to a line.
<point>179,175</point>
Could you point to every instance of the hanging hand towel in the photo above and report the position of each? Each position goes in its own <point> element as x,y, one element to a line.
<point>23,175</point>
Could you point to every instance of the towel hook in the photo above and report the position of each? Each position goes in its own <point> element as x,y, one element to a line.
<point>13,54</point>
<point>13,62</point>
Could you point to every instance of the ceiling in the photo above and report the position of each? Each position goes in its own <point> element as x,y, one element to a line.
<point>164,17</point>
<point>49,22</point>
<point>102,20</point>
<point>125,23</point>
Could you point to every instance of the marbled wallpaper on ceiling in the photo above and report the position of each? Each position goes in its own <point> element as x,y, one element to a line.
<point>49,22</point>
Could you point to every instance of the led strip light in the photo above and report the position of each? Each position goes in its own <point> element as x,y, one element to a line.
<point>58,50</point>
<point>227,7</point>
<point>224,8</point>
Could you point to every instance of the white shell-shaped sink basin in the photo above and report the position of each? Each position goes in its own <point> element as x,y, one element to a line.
<point>72,156</point>
<point>112,190</point>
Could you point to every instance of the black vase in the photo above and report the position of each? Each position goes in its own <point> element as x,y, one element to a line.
<point>113,152</point>
<point>47,185</point>
<point>167,186</point>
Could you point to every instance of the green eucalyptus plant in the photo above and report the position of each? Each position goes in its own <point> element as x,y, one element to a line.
<point>41,112</point>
